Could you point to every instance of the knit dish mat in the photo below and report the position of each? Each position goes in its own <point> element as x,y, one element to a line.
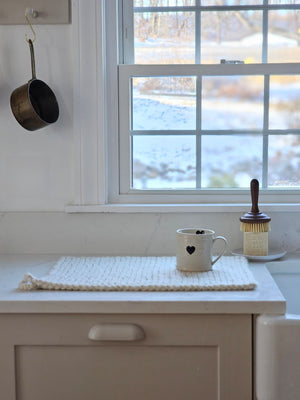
<point>140,274</point>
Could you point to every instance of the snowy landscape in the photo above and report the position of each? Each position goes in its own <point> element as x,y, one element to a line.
<point>169,161</point>
<point>165,160</point>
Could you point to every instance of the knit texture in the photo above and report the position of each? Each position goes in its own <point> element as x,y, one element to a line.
<point>140,274</point>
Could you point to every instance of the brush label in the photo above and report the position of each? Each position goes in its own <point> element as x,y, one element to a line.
<point>256,244</point>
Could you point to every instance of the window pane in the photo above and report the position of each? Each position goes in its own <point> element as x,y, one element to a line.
<point>282,2</point>
<point>163,3</point>
<point>164,38</point>
<point>284,160</point>
<point>283,37</point>
<point>164,103</point>
<point>164,162</point>
<point>284,102</point>
<point>232,102</point>
<point>231,161</point>
<point>230,2</point>
<point>231,35</point>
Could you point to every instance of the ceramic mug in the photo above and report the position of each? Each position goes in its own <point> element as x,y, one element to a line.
<point>194,250</point>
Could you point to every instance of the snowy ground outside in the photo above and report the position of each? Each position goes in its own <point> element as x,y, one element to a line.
<point>169,161</point>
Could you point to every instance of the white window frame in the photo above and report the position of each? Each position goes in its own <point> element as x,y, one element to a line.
<point>96,150</point>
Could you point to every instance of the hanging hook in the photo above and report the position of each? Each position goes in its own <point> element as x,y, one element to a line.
<point>34,15</point>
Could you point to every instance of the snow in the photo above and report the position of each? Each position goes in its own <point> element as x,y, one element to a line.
<point>273,40</point>
<point>169,161</point>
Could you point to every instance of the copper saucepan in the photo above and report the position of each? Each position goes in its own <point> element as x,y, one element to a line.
<point>34,105</point>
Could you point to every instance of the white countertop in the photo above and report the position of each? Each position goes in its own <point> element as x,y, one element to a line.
<point>265,299</point>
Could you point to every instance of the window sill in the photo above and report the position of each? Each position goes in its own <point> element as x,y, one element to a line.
<point>178,208</point>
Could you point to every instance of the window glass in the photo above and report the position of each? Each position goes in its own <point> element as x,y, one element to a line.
<point>231,35</point>
<point>164,38</point>
<point>232,102</point>
<point>284,36</point>
<point>284,161</point>
<point>284,110</point>
<point>163,3</point>
<point>164,162</point>
<point>213,99</point>
<point>230,2</point>
<point>162,103</point>
<point>230,161</point>
<point>283,2</point>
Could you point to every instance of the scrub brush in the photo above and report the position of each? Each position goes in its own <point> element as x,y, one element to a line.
<point>255,226</point>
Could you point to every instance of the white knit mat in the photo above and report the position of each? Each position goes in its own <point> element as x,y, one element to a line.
<point>140,274</point>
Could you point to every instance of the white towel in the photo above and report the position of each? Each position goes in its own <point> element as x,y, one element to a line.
<point>140,274</point>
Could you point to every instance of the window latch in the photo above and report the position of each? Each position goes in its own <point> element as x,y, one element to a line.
<point>223,61</point>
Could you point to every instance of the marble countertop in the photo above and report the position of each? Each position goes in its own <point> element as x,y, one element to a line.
<point>265,299</point>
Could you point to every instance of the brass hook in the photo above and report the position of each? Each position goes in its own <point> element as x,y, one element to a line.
<point>32,30</point>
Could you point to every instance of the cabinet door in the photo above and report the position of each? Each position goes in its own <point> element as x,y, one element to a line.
<point>177,357</point>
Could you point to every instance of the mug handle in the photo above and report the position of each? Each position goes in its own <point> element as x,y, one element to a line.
<point>223,251</point>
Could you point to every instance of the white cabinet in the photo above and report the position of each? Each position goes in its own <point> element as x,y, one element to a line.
<point>125,357</point>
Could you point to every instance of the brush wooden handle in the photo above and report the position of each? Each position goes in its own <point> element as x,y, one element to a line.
<point>254,186</point>
<point>254,216</point>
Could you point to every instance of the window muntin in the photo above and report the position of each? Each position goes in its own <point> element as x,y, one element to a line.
<point>244,142</point>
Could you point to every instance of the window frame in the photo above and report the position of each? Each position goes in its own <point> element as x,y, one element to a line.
<point>96,144</point>
<point>126,72</point>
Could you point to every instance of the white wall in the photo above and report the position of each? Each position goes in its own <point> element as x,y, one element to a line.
<point>36,168</point>
<point>37,173</point>
<point>123,234</point>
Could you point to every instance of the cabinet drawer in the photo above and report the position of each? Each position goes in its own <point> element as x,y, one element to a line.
<point>158,329</point>
<point>147,357</point>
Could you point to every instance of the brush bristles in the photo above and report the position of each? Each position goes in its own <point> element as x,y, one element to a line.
<point>255,227</point>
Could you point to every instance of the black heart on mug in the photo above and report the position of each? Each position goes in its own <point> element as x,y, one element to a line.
<point>190,249</point>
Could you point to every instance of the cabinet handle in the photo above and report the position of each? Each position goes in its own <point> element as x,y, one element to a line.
<point>124,332</point>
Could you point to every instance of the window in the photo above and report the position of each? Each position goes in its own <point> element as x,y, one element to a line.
<point>209,98</point>
<point>239,114</point>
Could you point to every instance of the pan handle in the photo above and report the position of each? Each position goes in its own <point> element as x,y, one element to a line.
<point>32,59</point>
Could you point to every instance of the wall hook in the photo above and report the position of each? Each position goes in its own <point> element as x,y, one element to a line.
<point>33,14</point>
